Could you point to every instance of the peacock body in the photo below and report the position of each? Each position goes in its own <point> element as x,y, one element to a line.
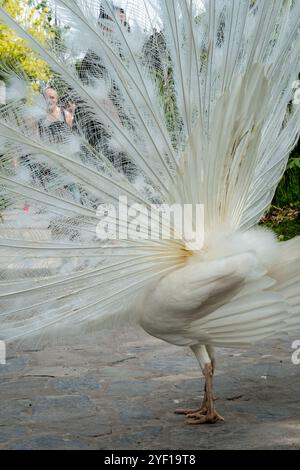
<point>178,103</point>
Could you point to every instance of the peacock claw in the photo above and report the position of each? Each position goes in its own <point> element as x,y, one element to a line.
<point>201,412</point>
<point>208,418</point>
<point>187,411</point>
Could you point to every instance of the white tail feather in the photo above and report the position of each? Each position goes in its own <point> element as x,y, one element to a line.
<point>198,111</point>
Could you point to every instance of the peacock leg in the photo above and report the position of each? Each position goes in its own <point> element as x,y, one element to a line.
<point>207,412</point>
<point>191,411</point>
<point>211,352</point>
<point>211,416</point>
<point>202,410</point>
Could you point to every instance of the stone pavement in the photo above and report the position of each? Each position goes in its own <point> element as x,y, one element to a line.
<point>119,391</point>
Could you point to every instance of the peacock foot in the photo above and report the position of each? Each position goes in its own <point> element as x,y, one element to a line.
<point>207,418</point>
<point>191,412</point>
<point>194,412</point>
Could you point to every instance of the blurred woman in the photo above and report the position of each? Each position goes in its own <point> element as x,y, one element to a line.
<point>56,125</point>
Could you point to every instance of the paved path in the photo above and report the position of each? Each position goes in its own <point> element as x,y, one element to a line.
<point>120,391</point>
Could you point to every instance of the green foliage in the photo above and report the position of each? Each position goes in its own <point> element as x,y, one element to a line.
<point>287,192</point>
<point>283,217</point>
<point>286,229</point>
<point>293,163</point>
<point>14,52</point>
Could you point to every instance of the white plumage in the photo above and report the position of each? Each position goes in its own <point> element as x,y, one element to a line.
<point>198,111</point>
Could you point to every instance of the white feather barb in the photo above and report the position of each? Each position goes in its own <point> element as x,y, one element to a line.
<point>183,102</point>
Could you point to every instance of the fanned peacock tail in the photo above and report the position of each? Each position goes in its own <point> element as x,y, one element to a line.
<point>186,103</point>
